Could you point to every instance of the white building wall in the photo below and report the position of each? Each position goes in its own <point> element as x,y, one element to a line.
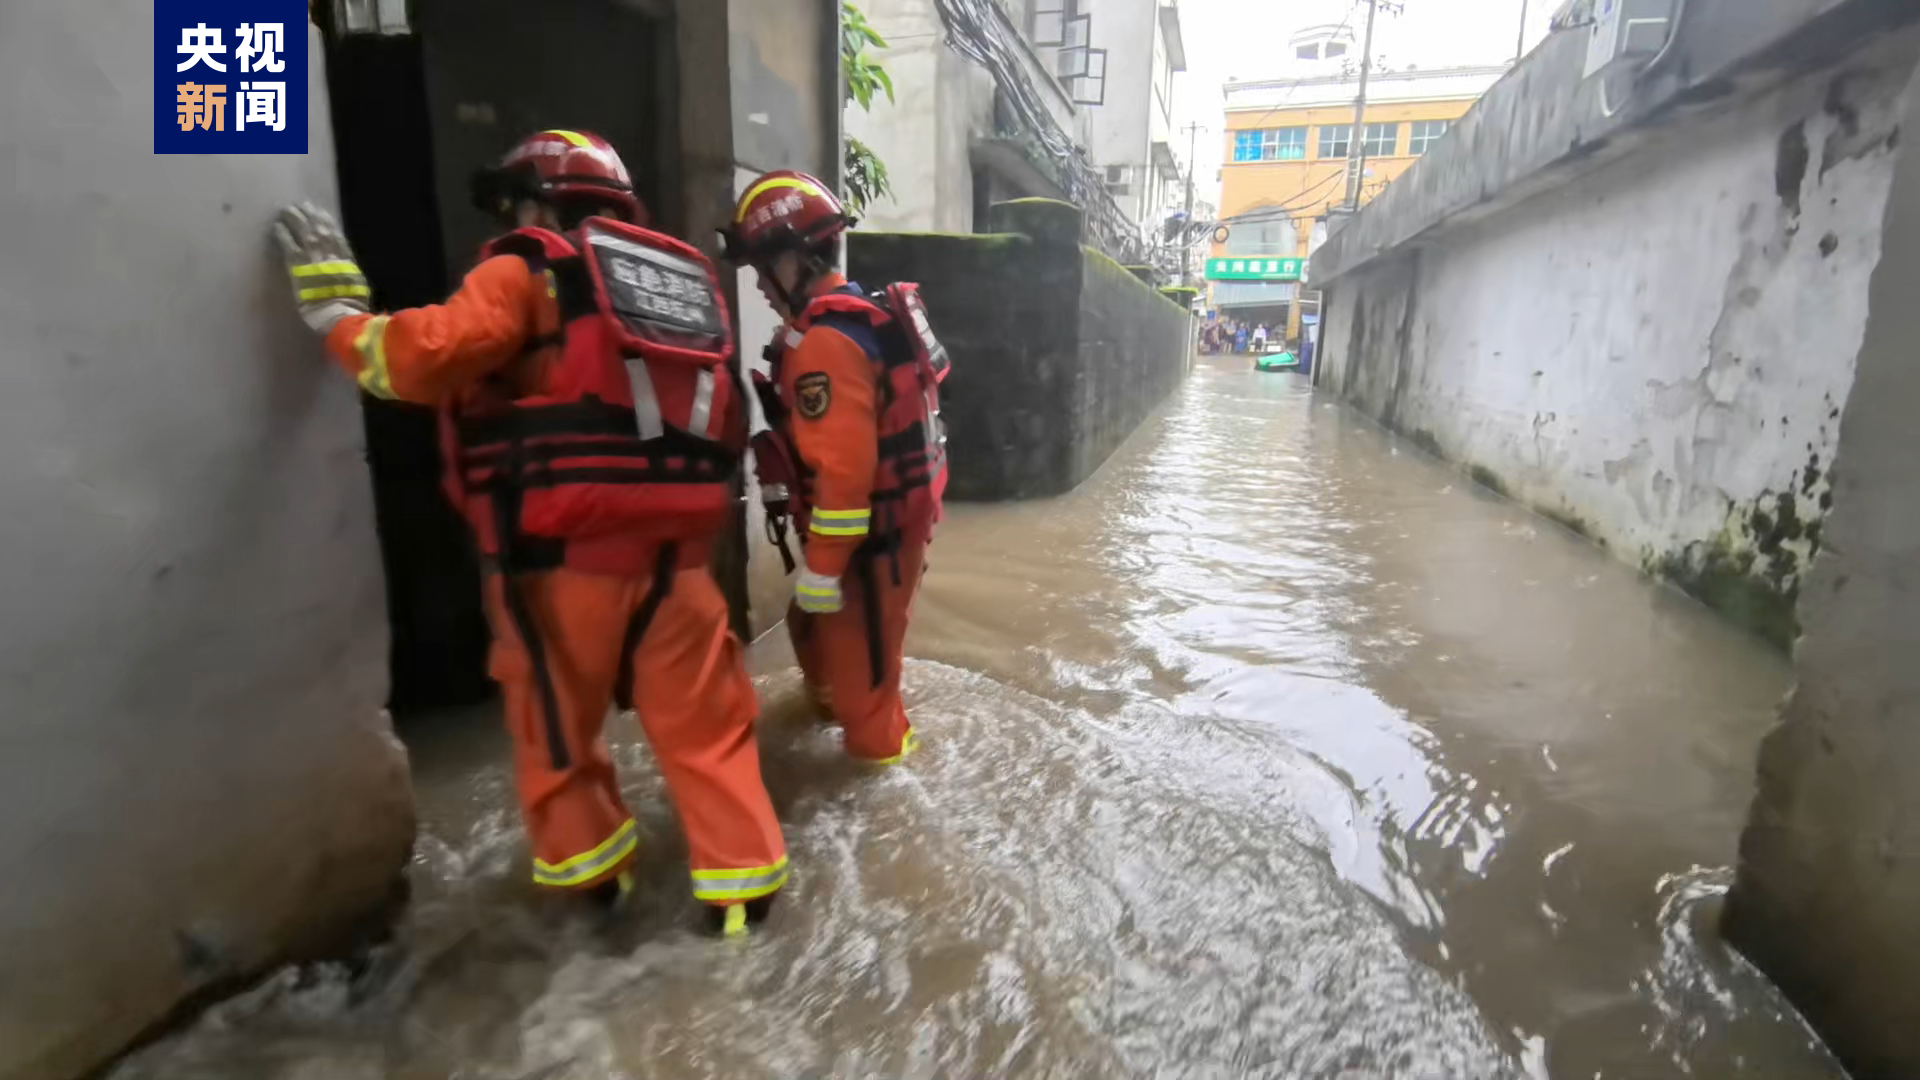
<point>940,100</point>
<point>1661,348</point>
<point>1121,129</point>
<point>195,775</point>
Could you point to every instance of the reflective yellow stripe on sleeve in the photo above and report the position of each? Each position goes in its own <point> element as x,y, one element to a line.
<point>588,865</point>
<point>840,522</point>
<point>325,269</point>
<point>329,292</point>
<point>371,344</point>
<point>745,883</point>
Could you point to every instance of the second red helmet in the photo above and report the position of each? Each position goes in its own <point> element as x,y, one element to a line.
<point>783,211</point>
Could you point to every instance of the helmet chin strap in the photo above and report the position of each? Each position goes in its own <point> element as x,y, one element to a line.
<point>795,299</point>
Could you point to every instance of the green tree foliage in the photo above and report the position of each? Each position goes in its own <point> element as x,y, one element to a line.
<point>866,174</point>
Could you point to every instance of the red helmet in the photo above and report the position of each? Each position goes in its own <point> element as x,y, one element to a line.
<point>783,211</point>
<point>558,166</point>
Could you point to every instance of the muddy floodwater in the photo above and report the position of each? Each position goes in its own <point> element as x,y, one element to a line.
<point>1276,750</point>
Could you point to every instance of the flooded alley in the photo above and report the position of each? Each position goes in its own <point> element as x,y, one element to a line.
<point>1276,750</point>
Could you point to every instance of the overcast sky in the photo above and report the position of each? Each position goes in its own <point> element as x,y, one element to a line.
<point>1247,39</point>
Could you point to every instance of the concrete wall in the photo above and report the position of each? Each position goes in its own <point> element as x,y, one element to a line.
<point>1830,863</point>
<point>195,779</point>
<point>1829,878</point>
<point>785,101</point>
<point>1655,352</point>
<point>1058,352</point>
<point>941,101</point>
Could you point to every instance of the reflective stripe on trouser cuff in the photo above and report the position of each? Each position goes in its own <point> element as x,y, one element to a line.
<point>742,884</point>
<point>840,522</point>
<point>585,867</point>
<point>371,344</point>
<point>908,743</point>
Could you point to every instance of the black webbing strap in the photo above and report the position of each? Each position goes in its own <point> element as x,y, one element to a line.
<point>777,536</point>
<point>506,527</point>
<point>870,610</point>
<point>663,571</point>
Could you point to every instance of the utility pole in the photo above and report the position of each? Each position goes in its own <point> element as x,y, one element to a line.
<point>1356,147</point>
<point>1520,46</point>
<point>1186,257</point>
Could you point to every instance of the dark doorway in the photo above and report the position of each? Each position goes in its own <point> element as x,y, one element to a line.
<point>384,146</point>
<point>495,72</point>
<point>413,116</point>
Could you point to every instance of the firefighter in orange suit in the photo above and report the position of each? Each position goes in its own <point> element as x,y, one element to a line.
<point>854,406</point>
<point>590,431</point>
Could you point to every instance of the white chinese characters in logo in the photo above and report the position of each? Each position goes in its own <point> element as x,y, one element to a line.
<point>263,40</point>
<point>198,44</point>
<point>262,103</point>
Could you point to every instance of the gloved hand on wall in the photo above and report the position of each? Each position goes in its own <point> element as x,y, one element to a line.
<point>327,283</point>
<point>817,594</point>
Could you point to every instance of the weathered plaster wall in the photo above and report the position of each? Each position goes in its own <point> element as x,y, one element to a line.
<point>1657,352</point>
<point>940,100</point>
<point>195,779</point>
<point>785,75</point>
<point>1829,878</point>
<point>786,103</point>
<point>1058,352</point>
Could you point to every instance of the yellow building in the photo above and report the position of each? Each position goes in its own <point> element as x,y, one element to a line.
<point>1285,163</point>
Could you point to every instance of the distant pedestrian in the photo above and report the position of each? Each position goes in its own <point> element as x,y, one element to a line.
<point>1260,338</point>
<point>1240,337</point>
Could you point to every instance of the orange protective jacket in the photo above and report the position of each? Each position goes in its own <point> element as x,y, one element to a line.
<point>840,445</point>
<point>435,354</point>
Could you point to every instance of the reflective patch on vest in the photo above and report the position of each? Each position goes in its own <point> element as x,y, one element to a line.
<point>648,423</point>
<point>813,394</point>
<point>702,416</point>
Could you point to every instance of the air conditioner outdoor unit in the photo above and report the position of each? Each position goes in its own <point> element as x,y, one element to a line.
<point>1627,31</point>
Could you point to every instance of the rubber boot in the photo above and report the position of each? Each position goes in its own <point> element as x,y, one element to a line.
<point>736,920</point>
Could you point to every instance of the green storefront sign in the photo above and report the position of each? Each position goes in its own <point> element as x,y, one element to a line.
<point>1249,268</point>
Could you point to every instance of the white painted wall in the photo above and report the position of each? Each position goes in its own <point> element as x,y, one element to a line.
<point>1120,131</point>
<point>940,100</point>
<point>1661,347</point>
<point>1830,862</point>
<point>195,776</point>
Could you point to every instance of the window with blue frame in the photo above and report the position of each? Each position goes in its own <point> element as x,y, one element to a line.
<point>1270,144</point>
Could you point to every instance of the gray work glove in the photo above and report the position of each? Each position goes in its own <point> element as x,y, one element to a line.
<point>327,283</point>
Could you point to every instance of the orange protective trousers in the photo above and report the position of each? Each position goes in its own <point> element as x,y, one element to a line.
<point>851,658</point>
<point>665,645</point>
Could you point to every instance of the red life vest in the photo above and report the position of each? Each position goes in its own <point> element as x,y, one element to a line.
<point>630,432</point>
<point>909,363</point>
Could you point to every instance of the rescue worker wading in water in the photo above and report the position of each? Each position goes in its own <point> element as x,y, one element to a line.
<point>589,430</point>
<point>853,401</point>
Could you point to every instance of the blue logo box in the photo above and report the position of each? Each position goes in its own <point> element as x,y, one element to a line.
<point>229,76</point>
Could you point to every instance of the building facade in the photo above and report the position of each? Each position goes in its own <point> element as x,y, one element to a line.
<point>1285,164</point>
<point>1074,101</point>
<point>1132,139</point>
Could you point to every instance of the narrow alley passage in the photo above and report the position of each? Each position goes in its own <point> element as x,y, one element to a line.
<point>1276,750</point>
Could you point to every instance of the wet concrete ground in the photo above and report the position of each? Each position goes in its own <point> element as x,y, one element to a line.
<point>1277,750</point>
